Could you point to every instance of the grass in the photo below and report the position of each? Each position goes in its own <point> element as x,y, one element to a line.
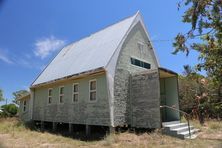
<point>215,125</point>
<point>15,134</point>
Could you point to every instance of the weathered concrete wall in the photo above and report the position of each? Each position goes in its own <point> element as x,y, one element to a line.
<point>145,93</point>
<point>81,112</point>
<point>124,68</point>
<point>24,115</point>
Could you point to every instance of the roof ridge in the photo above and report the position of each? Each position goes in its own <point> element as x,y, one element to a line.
<point>106,27</point>
<point>137,13</point>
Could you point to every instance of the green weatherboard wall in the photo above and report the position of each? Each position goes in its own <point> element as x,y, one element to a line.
<point>82,112</point>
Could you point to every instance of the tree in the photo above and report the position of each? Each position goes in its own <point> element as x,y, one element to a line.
<point>198,95</point>
<point>1,95</point>
<point>189,84</point>
<point>205,35</point>
<point>9,110</point>
<point>18,94</point>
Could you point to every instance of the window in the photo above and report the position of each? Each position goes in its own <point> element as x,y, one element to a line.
<point>24,105</point>
<point>140,63</point>
<point>92,90</point>
<point>61,94</point>
<point>75,95</point>
<point>146,65</point>
<point>49,95</point>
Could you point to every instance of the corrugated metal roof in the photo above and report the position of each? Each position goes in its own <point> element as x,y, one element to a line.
<point>87,54</point>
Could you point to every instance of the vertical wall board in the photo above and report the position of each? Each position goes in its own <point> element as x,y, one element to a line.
<point>145,93</point>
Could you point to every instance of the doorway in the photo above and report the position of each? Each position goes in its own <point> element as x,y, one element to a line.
<point>169,95</point>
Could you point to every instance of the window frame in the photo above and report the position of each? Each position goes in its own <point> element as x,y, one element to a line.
<point>90,91</point>
<point>75,93</point>
<point>134,61</point>
<point>49,96</point>
<point>61,95</point>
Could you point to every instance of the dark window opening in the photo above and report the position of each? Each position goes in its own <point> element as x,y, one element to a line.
<point>147,65</point>
<point>24,106</point>
<point>140,63</point>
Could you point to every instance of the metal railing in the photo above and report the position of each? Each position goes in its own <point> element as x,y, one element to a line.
<point>186,115</point>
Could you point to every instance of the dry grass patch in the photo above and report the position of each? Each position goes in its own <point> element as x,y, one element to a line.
<point>15,134</point>
<point>211,130</point>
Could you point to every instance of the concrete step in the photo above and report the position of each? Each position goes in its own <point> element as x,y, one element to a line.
<point>179,130</point>
<point>186,133</point>
<point>171,122</point>
<point>182,129</point>
<point>175,125</point>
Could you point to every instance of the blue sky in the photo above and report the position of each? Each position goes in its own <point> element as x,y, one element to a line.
<point>32,32</point>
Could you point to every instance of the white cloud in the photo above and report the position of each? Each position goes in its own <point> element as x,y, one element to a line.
<point>4,57</point>
<point>46,46</point>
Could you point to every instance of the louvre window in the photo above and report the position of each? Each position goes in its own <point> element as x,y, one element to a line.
<point>140,63</point>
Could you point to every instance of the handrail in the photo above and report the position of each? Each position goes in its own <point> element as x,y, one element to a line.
<point>184,113</point>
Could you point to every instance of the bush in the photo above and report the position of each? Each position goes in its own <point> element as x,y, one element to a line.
<point>9,110</point>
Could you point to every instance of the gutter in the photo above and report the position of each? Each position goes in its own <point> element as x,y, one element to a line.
<point>167,70</point>
<point>71,77</point>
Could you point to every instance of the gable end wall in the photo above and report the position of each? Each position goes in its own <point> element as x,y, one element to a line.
<point>124,69</point>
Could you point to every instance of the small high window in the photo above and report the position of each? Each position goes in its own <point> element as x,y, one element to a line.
<point>49,95</point>
<point>92,90</point>
<point>24,105</point>
<point>61,94</point>
<point>140,63</point>
<point>75,96</point>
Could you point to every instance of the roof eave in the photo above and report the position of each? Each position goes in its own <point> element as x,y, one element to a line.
<point>26,96</point>
<point>168,71</point>
<point>74,76</point>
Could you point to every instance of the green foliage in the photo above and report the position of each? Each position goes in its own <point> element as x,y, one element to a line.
<point>19,94</point>
<point>189,87</point>
<point>199,94</point>
<point>1,95</point>
<point>205,35</point>
<point>9,110</point>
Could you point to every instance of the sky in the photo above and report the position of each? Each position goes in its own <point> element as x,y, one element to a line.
<point>33,31</point>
